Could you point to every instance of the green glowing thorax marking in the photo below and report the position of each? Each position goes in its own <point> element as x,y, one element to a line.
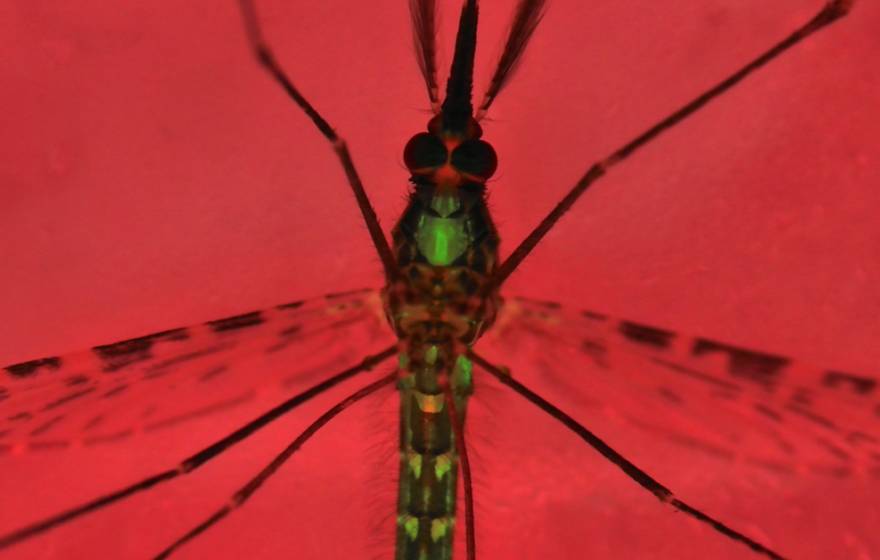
<point>442,239</point>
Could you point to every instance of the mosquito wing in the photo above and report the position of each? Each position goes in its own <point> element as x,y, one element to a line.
<point>764,442</point>
<point>156,381</point>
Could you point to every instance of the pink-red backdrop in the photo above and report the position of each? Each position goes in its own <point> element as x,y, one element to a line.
<point>152,176</point>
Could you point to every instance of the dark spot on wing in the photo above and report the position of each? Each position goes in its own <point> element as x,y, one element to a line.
<point>69,397</point>
<point>164,364</point>
<point>75,380</point>
<point>291,305</point>
<point>593,315</point>
<point>94,422</point>
<point>698,375</point>
<point>774,466</point>
<point>4,394</point>
<point>45,426</point>
<point>107,438</point>
<point>20,417</point>
<point>783,444</point>
<point>857,437</point>
<point>813,417</point>
<point>802,396</point>
<point>290,331</point>
<point>703,446</point>
<point>860,385</point>
<point>596,350</point>
<point>833,449</point>
<point>769,412</point>
<point>236,322</point>
<point>114,391</point>
<point>126,352</point>
<point>643,334</point>
<point>212,373</point>
<point>760,368</point>
<point>26,369</point>
<point>725,395</point>
<point>671,396</point>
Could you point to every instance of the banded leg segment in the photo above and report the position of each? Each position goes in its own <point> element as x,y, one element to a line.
<point>831,12</point>
<point>266,58</point>
<point>639,476</point>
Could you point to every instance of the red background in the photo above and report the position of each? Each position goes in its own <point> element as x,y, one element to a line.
<point>152,176</point>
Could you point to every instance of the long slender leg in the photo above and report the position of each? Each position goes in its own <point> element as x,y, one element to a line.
<point>642,478</point>
<point>239,498</point>
<point>198,459</point>
<point>461,448</point>
<point>267,59</point>
<point>831,12</point>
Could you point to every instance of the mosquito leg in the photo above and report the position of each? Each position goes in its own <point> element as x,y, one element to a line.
<point>461,448</point>
<point>195,461</point>
<point>267,59</point>
<point>240,497</point>
<point>832,11</point>
<point>642,478</point>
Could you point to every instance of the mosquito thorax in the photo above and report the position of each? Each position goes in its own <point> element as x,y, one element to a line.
<point>445,242</point>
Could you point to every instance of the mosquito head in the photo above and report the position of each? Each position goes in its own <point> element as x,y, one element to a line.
<point>449,160</point>
<point>451,153</point>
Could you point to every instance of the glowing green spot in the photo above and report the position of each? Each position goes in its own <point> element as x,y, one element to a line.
<point>441,240</point>
<point>411,526</point>
<point>431,355</point>
<point>415,465</point>
<point>442,466</point>
<point>463,373</point>
<point>403,360</point>
<point>439,528</point>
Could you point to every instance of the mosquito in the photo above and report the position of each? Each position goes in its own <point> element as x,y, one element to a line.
<point>441,295</point>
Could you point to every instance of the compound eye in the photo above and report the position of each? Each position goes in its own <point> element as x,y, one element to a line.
<point>423,151</point>
<point>476,158</point>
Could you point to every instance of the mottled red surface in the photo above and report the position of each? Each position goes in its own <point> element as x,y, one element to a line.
<point>152,176</point>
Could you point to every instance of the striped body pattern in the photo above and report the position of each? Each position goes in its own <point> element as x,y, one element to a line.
<point>437,311</point>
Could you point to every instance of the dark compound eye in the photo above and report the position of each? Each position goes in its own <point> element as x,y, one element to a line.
<point>476,158</point>
<point>424,150</point>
